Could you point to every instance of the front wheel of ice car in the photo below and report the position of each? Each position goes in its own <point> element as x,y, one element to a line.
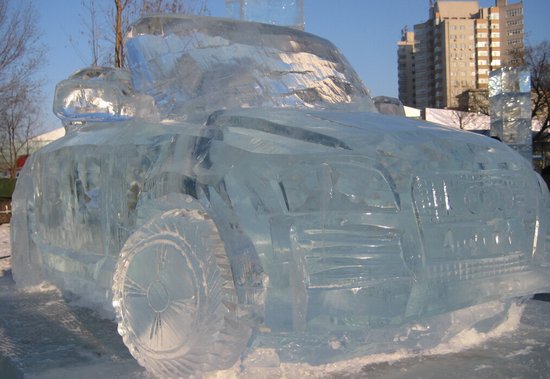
<point>174,296</point>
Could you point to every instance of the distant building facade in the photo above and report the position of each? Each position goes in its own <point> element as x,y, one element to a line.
<point>406,52</point>
<point>449,56</point>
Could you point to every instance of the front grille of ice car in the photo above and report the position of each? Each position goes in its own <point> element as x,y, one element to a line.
<point>546,257</point>
<point>478,268</point>
<point>474,225</point>
<point>348,256</point>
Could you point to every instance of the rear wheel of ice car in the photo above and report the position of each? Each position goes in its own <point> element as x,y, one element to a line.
<point>175,299</point>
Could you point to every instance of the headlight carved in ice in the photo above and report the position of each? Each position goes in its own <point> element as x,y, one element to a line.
<point>338,186</point>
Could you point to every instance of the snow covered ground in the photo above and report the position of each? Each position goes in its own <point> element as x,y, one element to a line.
<point>43,335</point>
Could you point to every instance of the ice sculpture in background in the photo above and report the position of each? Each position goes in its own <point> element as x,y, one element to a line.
<point>389,105</point>
<point>236,189</point>
<point>510,108</point>
<point>276,12</point>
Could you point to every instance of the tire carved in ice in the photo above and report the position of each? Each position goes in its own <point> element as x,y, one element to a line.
<point>174,296</point>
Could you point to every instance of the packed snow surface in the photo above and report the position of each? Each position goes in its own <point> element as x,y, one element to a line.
<point>43,335</point>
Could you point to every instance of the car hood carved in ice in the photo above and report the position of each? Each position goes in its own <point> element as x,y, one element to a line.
<point>382,137</point>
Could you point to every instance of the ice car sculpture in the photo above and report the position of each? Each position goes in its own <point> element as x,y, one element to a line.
<point>236,184</point>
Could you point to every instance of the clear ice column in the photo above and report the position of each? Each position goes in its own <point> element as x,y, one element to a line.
<point>510,108</point>
<point>276,12</point>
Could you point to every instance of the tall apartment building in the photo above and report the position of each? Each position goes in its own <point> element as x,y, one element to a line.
<point>406,52</point>
<point>448,57</point>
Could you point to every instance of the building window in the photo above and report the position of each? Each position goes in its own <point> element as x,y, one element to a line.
<point>515,12</point>
<point>495,35</point>
<point>514,22</point>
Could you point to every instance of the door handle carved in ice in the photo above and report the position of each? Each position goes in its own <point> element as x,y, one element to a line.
<point>236,189</point>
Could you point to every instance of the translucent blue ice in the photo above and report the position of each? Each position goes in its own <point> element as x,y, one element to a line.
<point>278,12</point>
<point>236,189</point>
<point>510,108</point>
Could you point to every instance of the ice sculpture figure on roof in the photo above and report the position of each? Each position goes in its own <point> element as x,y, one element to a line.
<point>236,189</point>
<point>278,12</point>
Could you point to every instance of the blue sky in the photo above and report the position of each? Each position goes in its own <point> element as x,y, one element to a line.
<point>366,31</point>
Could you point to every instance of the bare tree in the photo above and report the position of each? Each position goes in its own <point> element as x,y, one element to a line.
<point>127,11</point>
<point>93,26</point>
<point>120,7</point>
<point>462,118</point>
<point>18,120</point>
<point>474,101</point>
<point>91,31</point>
<point>117,19</point>
<point>173,6</point>
<point>21,57</point>
<point>537,59</point>
<point>472,104</point>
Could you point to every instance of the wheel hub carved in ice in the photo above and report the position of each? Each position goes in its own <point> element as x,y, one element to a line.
<point>158,296</point>
<point>167,291</point>
<point>174,296</point>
